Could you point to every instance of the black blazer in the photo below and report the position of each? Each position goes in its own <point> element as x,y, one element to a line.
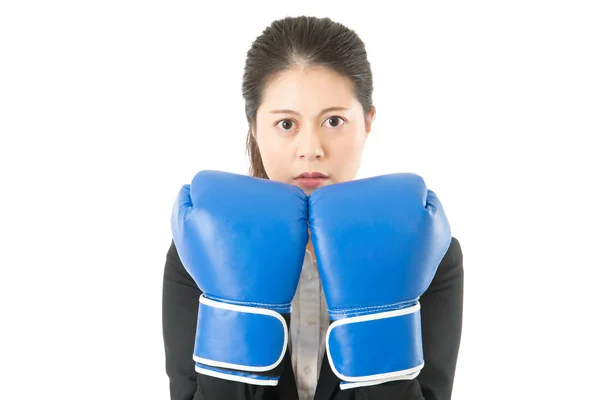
<point>441,319</point>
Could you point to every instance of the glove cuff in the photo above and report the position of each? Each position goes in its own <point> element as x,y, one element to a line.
<point>375,348</point>
<point>248,340</point>
<point>236,376</point>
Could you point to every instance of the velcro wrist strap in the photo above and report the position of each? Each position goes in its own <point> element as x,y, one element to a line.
<point>236,376</point>
<point>376,347</point>
<point>239,337</point>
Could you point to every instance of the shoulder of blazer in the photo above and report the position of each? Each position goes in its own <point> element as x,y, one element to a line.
<point>174,269</point>
<point>450,271</point>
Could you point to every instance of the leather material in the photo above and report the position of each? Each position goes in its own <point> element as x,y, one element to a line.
<point>376,339</point>
<point>378,242</point>
<point>221,324</point>
<point>243,240</point>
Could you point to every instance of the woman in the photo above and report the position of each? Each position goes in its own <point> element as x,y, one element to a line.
<point>308,90</point>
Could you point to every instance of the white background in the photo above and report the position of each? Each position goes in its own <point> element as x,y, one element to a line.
<point>108,107</point>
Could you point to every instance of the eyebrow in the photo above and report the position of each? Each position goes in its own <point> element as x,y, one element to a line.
<point>296,113</point>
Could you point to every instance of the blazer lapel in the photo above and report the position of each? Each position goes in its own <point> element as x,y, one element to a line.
<point>328,381</point>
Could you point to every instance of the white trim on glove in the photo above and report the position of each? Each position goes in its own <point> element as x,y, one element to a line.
<point>375,379</point>
<point>249,310</point>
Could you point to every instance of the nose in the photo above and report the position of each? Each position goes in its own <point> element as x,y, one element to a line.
<point>310,146</point>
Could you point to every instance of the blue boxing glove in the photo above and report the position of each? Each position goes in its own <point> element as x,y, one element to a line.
<point>378,243</point>
<point>243,241</point>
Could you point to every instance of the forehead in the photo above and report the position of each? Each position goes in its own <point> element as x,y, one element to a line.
<point>308,90</point>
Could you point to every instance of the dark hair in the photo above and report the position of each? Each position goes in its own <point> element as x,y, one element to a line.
<point>291,41</point>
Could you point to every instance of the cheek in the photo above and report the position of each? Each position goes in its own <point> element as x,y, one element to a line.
<point>348,156</point>
<point>274,158</point>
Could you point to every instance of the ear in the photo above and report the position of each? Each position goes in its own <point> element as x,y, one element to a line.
<point>369,120</point>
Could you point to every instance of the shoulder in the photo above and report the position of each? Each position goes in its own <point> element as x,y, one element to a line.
<point>174,270</point>
<point>172,254</point>
<point>453,257</point>
<point>450,271</point>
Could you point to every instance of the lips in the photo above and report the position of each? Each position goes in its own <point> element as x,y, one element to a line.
<point>311,180</point>
<point>312,175</point>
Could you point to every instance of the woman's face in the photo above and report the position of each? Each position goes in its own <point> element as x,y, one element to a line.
<point>297,132</point>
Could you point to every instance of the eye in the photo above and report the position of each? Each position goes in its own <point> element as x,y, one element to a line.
<point>334,118</point>
<point>288,123</point>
